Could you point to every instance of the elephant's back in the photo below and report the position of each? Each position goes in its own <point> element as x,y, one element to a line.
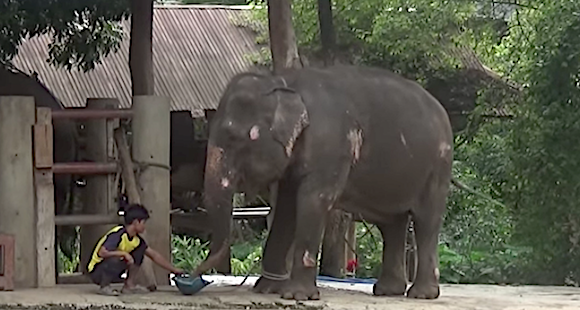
<point>401,129</point>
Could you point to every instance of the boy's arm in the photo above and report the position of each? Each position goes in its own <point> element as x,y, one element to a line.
<point>109,248</point>
<point>104,253</point>
<point>161,261</point>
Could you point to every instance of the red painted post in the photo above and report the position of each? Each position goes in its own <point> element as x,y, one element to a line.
<point>6,262</point>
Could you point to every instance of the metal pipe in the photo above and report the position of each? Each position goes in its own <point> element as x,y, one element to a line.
<point>91,114</point>
<point>85,168</point>
<point>87,219</point>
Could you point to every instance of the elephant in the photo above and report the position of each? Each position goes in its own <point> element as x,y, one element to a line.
<point>16,83</point>
<point>361,139</point>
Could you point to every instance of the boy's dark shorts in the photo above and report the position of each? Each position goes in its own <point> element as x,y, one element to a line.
<point>110,270</point>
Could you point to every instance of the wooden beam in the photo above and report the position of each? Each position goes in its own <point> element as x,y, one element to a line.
<point>85,168</point>
<point>88,114</point>
<point>87,219</point>
<point>45,205</point>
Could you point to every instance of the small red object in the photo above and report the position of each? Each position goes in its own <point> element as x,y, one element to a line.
<point>6,263</point>
<point>351,265</point>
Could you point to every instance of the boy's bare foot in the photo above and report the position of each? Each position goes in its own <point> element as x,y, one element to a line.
<point>108,291</point>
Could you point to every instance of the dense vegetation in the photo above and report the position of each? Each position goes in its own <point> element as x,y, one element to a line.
<point>513,218</point>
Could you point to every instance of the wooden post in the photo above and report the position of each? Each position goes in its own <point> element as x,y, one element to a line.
<point>44,187</point>
<point>151,149</point>
<point>17,212</point>
<point>98,196</point>
<point>333,261</point>
<point>146,276</point>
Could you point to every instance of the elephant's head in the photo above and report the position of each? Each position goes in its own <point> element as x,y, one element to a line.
<point>251,141</point>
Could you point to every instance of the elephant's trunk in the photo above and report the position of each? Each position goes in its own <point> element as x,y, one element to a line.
<point>218,193</point>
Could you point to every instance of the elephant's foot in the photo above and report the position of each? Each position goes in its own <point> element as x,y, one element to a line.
<point>268,286</point>
<point>423,290</point>
<point>300,291</point>
<point>389,288</point>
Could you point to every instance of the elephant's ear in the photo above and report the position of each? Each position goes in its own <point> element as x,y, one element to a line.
<point>290,117</point>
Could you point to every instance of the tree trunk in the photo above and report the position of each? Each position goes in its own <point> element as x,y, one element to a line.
<point>141,47</point>
<point>333,258</point>
<point>327,34</point>
<point>141,67</point>
<point>282,37</point>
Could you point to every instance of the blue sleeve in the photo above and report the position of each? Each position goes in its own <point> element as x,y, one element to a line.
<point>112,241</point>
<point>143,244</point>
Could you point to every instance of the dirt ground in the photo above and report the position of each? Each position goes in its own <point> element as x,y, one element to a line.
<point>481,297</point>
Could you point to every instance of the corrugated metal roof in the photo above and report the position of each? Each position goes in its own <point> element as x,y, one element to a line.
<point>196,50</point>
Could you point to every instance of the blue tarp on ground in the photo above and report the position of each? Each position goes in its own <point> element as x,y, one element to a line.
<point>347,280</point>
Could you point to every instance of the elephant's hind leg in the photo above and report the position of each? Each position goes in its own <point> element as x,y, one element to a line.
<point>427,223</point>
<point>274,269</point>
<point>392,281</point>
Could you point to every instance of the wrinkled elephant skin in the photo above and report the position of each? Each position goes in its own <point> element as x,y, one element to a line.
<point>360,139</point>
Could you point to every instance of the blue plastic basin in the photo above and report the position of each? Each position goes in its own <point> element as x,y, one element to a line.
<point>188,285</point>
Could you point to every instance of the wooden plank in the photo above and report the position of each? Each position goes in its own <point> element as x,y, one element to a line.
<point>43,153</point>
<point>7,265</point>
<point>44,188</point>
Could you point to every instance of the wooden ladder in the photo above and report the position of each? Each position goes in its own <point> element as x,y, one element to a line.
<point>6,262</point>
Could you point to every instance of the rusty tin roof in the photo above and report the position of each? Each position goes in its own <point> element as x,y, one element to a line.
<point>196,50</point>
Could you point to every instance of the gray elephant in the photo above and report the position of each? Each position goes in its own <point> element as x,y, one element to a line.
<point>361,139</point>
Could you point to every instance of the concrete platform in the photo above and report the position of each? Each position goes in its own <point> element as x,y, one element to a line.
<point>222,295</point>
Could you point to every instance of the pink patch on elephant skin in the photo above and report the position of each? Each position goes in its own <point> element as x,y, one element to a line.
<point>307,260</point>
<point>254,132</point>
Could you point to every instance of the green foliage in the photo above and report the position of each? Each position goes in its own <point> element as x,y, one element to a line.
<point>188,253</point>
<point>369,251</point>
<point>67,265</point>
<point>543,188</point>
<point>82,31</point>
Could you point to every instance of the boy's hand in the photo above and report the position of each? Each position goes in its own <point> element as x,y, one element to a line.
<point>129,259</point>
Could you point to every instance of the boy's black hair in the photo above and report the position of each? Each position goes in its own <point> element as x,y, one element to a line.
<point>135,212</point>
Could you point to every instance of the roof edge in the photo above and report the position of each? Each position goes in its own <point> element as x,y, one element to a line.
<point>176,6</point>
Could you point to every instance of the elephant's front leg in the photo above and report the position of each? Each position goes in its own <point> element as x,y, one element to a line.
<point>275,273</point>
<point>312,210</point>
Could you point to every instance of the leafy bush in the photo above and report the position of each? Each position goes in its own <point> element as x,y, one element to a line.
<point>188,253</point>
